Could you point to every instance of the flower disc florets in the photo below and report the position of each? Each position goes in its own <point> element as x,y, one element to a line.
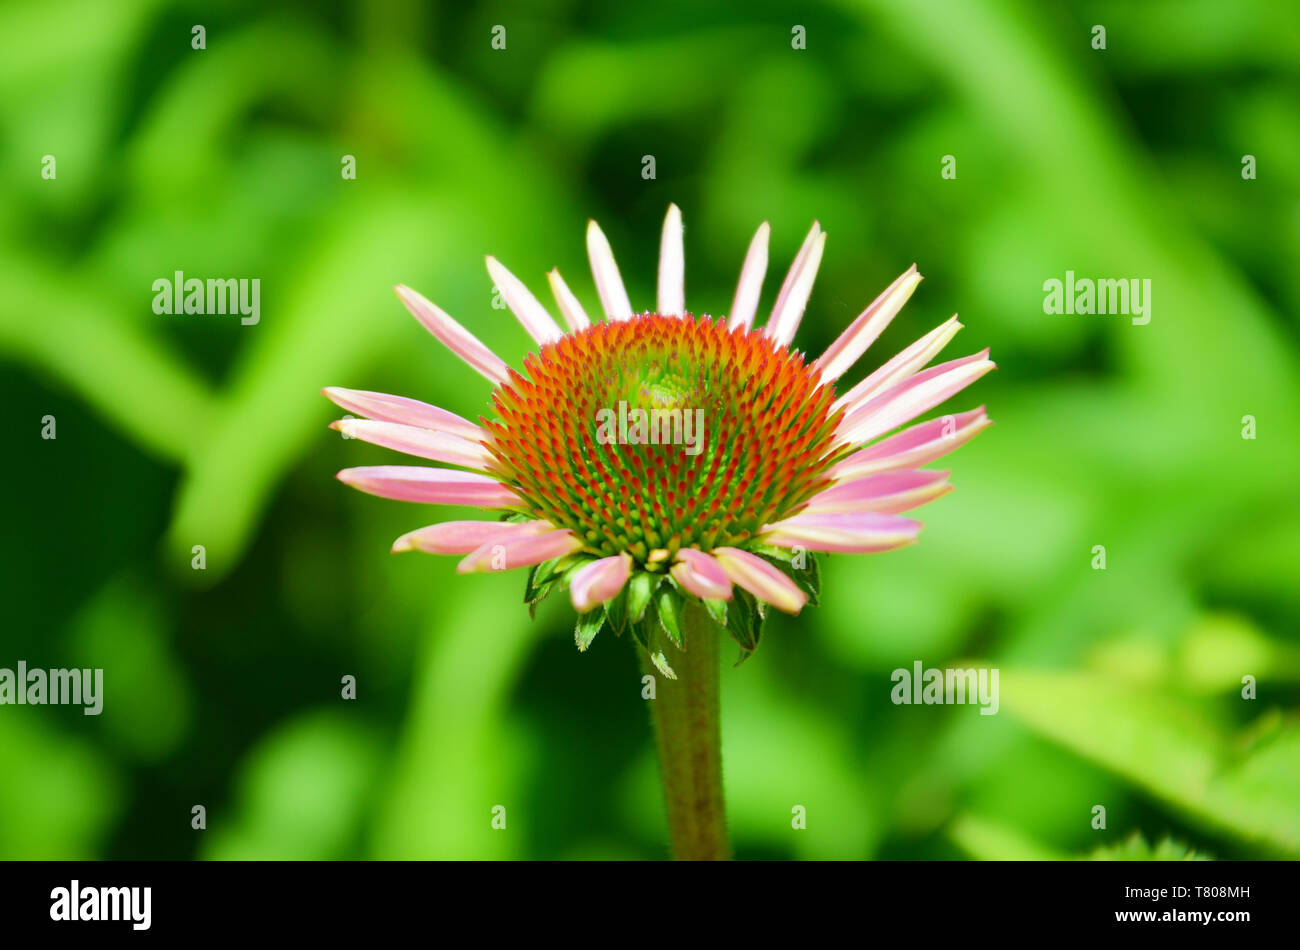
<point>656,433</point>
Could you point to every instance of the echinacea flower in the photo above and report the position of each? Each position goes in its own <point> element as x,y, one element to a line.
<point>734,459</point>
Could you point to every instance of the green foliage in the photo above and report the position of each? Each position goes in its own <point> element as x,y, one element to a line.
<point>1136,848</point>
<point>174,431</point>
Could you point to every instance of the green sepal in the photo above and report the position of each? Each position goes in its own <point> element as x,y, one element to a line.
<point>616,612</point>
<point>661,664</point>
<point>668,608</point>
<point>640,590</point>
<point>544,578</point>
<point>745,623</point>
<point>717,610</point>
<point>517,517</point>
<point>588,625</point>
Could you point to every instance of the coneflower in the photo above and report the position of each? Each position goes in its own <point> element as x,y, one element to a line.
<point>675,473</point>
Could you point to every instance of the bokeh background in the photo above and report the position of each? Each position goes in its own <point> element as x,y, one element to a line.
<point>1119,688</point>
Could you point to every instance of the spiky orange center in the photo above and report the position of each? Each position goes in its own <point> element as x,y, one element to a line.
<point>654,433</point>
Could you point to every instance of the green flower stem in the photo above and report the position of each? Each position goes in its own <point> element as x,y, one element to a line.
<point>687,731</point>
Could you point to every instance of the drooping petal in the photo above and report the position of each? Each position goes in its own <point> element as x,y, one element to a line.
<point>672,266</point>
<point>903,365</point>
<point>522,550</point>
<point>435,486</point>
<point>609,285</point>
<point>462,537</point>
<point>539,324</point>
<point>868,326</point>
<point>573,313</point>
<point>761,579</point>
<point>905,401</point>
<point>793,298</point>
<point>917,445</point>
<point>859,533</point>
<point>598,582</point>
<point>750,285</point>
<point>454,336</point>
<point>422,443</point>
<point>411,412</point>
<point>701,575</point>
<point>890,492</point>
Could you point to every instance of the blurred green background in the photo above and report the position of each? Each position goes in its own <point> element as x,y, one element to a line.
<point>1119,688</point>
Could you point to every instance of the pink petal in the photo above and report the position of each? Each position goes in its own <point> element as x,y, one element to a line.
<point>868,326</point>
<point>905,401</point>
<point>598,582</point>
<point>901,366</point>
<point>609,285</point>
<point>750,286</point>
<point>572,311</point>
<point>922,443</point>
<point>462,537</point>
<point>435,486</point>
<point>890,492</point>
<point>523,304</point>
<point>422,443</point>
<point>672,266</point>
<point>454,336</point>
<point>793,298</point>
<point>385,408</point>
<point>523,550</point>
<point>860,533</point>
<point>761,579</point>
<point>701,575</point>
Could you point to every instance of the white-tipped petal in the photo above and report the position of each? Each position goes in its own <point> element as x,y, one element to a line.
<point>422,443</point>
<point>539,324</point>
<point>914,446</point>
<point>464,537</point>
<point>904,401</point>
<point>701,575</point>
<point>572,311</point>
<point>793,299</point>
<point>432,486</point>
<point>519,550</point>
<point>599,581</point>
<point>454,336</point>
<point>750,285</point>
<point>866,532</point>
<point>761,579</point>
<point>384,407</point>
<point>672,266</point>
<point>609,285</point>
<point>868,326</point>
<point>902,366</point>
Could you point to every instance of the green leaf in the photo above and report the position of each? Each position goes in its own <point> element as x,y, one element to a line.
<point>588,625</point>
<point>640,589</point>
<point>1247,784</point>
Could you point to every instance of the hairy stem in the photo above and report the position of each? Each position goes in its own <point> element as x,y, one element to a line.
<point>685,715</point>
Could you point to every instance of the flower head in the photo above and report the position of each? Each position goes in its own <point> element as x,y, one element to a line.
<point>650,459</point>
